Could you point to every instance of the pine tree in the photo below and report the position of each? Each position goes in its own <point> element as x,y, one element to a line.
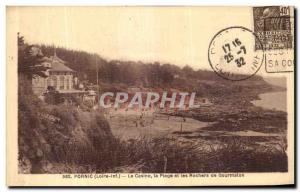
<point>30,59</point>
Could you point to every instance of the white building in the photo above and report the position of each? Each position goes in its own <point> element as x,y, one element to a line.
<point>59,77</point>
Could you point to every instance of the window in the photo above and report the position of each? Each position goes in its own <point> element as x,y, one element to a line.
<point>67,83</point>
<point>71,82</point>
<point>49,81</point>
<point>54,79</point>
<point>61,82</point>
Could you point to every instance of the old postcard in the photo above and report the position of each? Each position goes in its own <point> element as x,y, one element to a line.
<point>150,96</point>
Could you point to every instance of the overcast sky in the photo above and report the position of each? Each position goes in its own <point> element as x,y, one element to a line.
<point>174,35</point>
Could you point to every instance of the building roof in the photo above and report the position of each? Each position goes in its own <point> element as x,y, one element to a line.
<point>57,64</point>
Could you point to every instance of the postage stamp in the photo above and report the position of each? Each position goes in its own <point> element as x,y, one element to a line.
<point>232,56</point>
<point>272,26</point>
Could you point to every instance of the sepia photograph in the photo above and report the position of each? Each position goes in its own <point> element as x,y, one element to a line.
<point>145,93</point>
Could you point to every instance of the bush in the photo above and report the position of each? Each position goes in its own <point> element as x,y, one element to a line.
<point>53,97</point>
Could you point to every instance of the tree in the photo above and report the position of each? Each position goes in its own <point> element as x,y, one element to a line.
<point>166,74</point>
<point>30,59</point>
<point>188,71</point>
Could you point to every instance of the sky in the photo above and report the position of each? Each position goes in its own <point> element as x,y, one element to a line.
<point>176,35</point>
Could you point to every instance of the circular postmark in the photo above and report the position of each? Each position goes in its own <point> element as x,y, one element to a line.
<point>232,54</point>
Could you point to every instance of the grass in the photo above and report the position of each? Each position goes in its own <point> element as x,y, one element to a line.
<point>166,155</point>
<point>163,155</point>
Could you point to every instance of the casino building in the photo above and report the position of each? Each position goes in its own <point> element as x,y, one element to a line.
<point>59,76</point>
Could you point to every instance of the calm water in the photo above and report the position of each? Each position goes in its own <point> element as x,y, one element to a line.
<point>274,100</point>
